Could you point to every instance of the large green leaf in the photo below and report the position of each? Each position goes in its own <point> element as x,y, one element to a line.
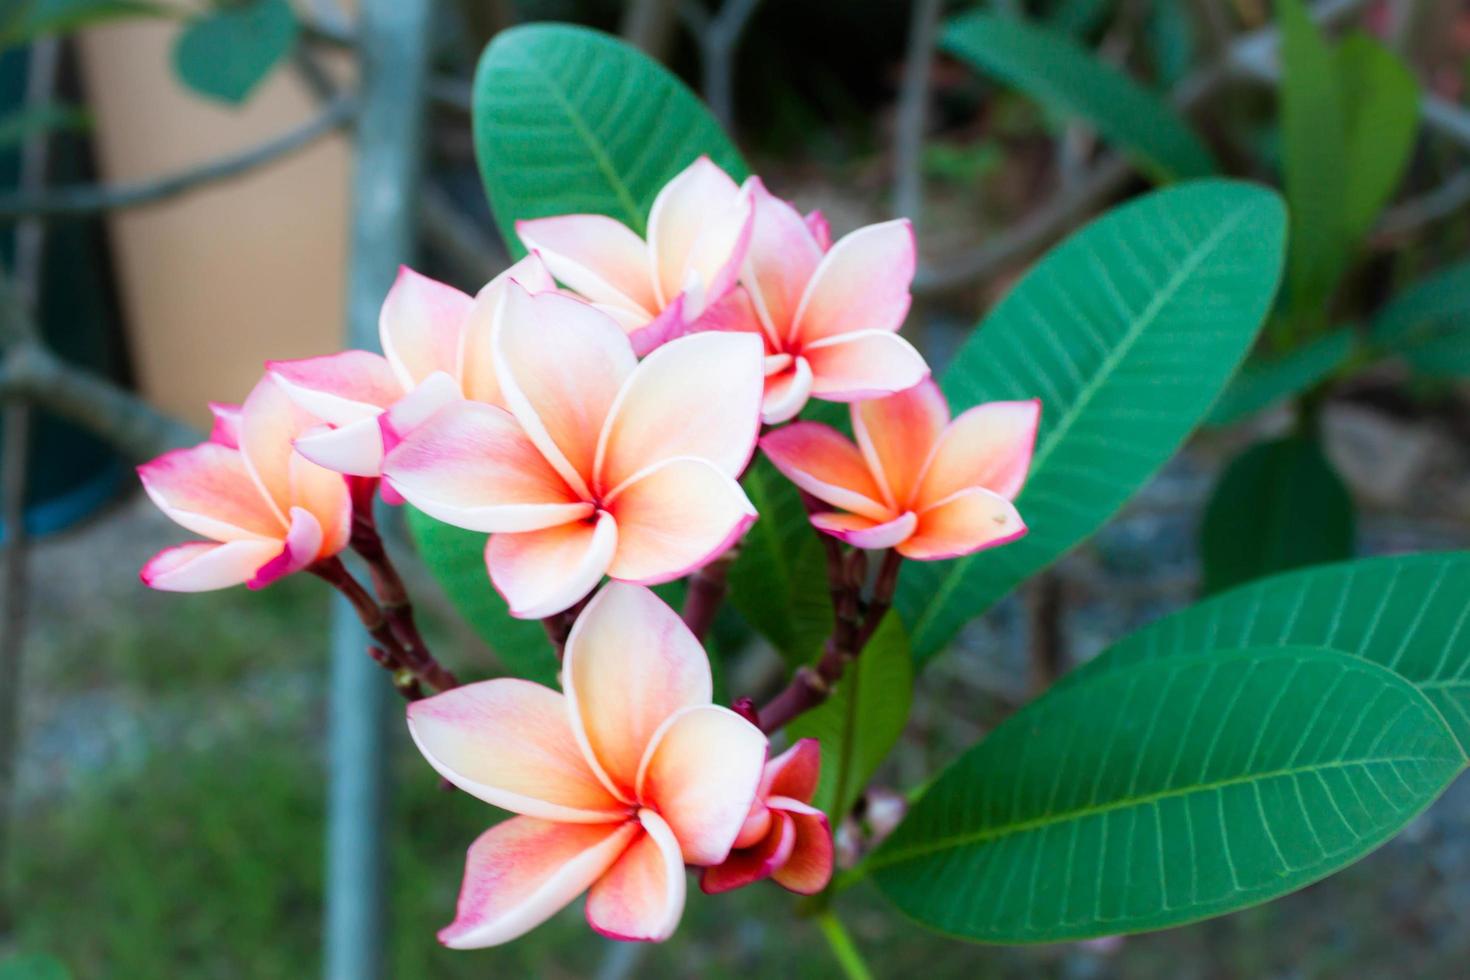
<point>568,120</point>
<point>859,724</point>
<point>1380,102</point>
<point>227,52</point>
<point>1408,613</point>
<point>1429,323</point>
<point>1314,140</point>
<point>1279,505</point>
<point>1127,332</point>
<point>456,558</point>
<point>1168,791</point>
<point>1264,381</point>
<point>1060,73</point>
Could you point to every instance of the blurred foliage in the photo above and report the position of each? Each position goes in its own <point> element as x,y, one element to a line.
<point>227,52</point>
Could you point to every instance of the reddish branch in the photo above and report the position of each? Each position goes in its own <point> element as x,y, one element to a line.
<point>706,592</point>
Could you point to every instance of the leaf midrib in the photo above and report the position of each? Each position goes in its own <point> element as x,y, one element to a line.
<point>1037,823</point>
<point>1089,391</point>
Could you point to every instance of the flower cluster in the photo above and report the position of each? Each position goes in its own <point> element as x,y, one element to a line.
<point>598,429</point>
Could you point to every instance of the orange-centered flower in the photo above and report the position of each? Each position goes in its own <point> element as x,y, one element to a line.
<point>267,511</point>
<point>783,838</point>
<point>663,288</point>
<point>828,313</point>
<point>602,465</point>
<point>619,783</point>
<point>436,350</point>
<point>915,481</point>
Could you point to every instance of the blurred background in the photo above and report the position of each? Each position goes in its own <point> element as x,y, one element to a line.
<point>175,208</point>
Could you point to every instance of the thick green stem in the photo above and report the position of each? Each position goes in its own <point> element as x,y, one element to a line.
<point>844,950</point>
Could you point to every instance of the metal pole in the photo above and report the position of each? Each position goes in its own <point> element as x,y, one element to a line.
<point>393,61</point>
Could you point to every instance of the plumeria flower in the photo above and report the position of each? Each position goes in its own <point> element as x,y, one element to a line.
<point>915,481</point>
<point>783,838</point>
<point>619,783</point>
<point>669,285</point>
<point>828,315</point>
<point>602,465</point>
<point>436,350</point>
<point>266,510</point>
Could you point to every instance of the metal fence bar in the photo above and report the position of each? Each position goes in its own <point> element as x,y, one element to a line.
<point>393,59</point>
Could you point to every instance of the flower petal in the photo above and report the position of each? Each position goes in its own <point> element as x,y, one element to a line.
<point>417,407</point>
<point>472,466</point>
<point>782,257</point>
<point>419,326</point>
<point>701,771</point>
<point>988,446</point>
<point>674,517</point>
<point>521,872</point>
<point>896,435</point>
<point>963,523</point>
<point>825,463</point>
<point>684,210</point>
<point>641,897</point>
<point>226,428</point>
<point>715,260</point>
<point>861,284</point>
<point>300,549</point>
<point>751,864</point>
<point>355,449</point>
<point>509,742</point>
<point>865,364</point>
<point>326,496</point>
<point>787,392</point>
<point>476,343</point>
<point>809,867</point>
<point>630,663</point>
<point>696,396</point>
<point>795,772</point>
<point>339,388</point>
<point>561,365</point>
<point>544,572</point>
<point>208,490</point>
<point>200,566</point>
<point>596,256</point>
<point>860,532</point>
<point>816,222</point>
<point>269,424</point>
<point>648,336</point>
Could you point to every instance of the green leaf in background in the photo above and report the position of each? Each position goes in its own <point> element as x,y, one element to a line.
<point>1127,331</point>
<point>1380,102</point>
<point>1279,505</point>
<point>1165,792</point>
<point>1169,35</point>
<point>456,558</point>
<point>862,720</point>
<point>18,126</point>
<point>1061,74</point>
<point>568,120</point>
<point>1429,323</point>
<point>227,52</point>
<point>1266,380</point>
<point>1314,141</point>
<point>33,966</point>
<point>36,18</point>
<point>1407,613</point>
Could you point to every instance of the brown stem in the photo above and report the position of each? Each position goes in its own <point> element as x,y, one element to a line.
<point>387,651</point>
<point>706,592</point>
<point>397,608</point>
<point>883,589</point>
<point>1048,644</point>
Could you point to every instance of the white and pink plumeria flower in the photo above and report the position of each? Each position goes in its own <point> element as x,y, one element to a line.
<point>618,783</point>
<point>601,465</point>
<point>829,315</point>
<point>929,487</point>
<point>674,283</point>
<point>436,351</point>
<point>266,510</point>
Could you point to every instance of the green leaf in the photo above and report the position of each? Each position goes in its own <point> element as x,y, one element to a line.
<point>1429,323</point>
<point>1064,76</point>
<point>1381,117</point>
<point>19,126</point>
<point>33,966</point>
<point>1127,331</point>
<point>1279,505</point>
<point>862,720</point>
<point>1407,613</point>
<point>1264,381</point>
<point>226,53</point>
<point>1314,137</point>
<point>1165,792</point>
<point>568,120</point>
<point>456,558</point>
<point>37,18</point>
